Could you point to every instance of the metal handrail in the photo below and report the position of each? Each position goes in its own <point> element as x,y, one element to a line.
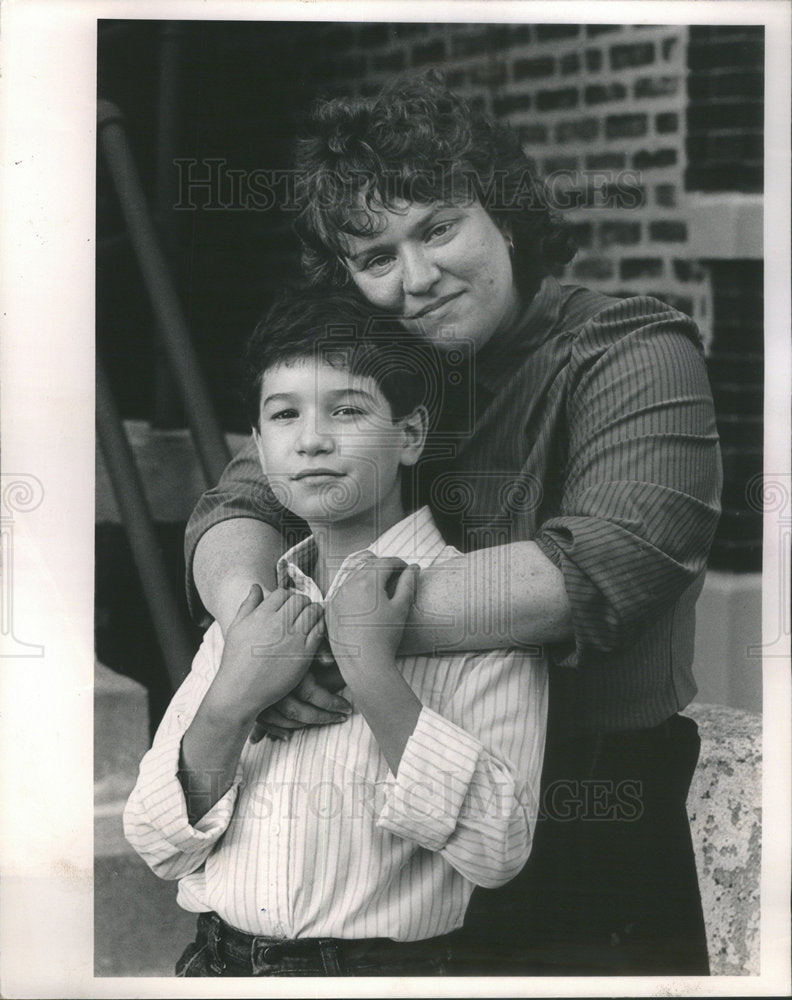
<point>210,444</point>
<point>172,635</point>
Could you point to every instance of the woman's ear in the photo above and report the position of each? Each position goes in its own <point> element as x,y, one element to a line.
<point>414,428</point>
<point>506,231</point>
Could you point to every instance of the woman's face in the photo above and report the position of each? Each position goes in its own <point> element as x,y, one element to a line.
<point>444,268</point>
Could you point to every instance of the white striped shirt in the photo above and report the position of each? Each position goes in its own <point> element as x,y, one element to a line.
<point>316,837</point>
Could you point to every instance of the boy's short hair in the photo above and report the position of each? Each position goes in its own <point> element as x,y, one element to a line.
<point>418,141</point>
<point>339,328</point>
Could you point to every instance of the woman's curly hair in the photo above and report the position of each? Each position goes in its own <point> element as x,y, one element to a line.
<point>417,141</point>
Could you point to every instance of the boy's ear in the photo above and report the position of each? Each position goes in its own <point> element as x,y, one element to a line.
<point>414,428</point>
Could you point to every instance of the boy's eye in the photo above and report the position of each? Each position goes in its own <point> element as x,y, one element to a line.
<point>287,414</point>
<point>349,411</point>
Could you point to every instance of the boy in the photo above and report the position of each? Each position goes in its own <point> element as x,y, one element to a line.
<point>350,849</point>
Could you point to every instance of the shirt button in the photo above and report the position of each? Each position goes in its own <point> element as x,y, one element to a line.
<point>276,828</point>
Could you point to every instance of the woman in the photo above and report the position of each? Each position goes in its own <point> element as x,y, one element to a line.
<point>581,475</point>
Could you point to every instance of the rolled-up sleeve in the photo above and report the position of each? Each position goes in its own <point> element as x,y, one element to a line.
<point>155,817</point>
<point>468,782</point>
<point>641,493</point>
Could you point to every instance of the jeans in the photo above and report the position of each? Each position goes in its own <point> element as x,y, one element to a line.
<point>220,950</point>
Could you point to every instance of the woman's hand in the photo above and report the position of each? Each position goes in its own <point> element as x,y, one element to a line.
<point>314,702</point>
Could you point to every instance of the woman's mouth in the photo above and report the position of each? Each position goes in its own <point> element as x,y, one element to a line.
<point>434,306</point>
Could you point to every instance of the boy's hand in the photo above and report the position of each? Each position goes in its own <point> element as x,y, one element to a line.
<point>269,647</point>
<point>367,612</point>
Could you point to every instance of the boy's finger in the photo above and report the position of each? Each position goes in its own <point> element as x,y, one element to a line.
<point>309,617</point>
<point>277,598</point>
<point>406,586</point>
<point>254,597</point>
<point>293,606</point>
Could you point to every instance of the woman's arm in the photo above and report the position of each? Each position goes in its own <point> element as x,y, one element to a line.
<point>231,556</point>
<point>233,539</point>
<point>511,595</point>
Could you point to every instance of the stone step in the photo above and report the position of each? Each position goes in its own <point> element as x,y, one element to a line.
<point>138,928</point>
<point>121,734</point>
<point>169,469</point>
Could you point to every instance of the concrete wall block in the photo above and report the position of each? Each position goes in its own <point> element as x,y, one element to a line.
<point>725,811</point>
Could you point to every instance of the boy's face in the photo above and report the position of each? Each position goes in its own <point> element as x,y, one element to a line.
<point>328,444</point>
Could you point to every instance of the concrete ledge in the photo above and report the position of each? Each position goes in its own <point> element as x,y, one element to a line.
<point>727,226</point>
<point>725,810</point>
<point>728,622</point>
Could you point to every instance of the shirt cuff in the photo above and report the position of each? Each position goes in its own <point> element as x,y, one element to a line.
<point>163,800</point>
<point>424,800</point>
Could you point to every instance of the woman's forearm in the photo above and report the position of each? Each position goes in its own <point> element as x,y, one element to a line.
<point>510,595</point>
<point>229,557</point>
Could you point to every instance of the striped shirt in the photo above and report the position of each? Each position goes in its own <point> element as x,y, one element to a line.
<point>594,435</point>
<point>316,837</point>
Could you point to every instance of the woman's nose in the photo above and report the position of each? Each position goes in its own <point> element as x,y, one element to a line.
<point>419,272</point>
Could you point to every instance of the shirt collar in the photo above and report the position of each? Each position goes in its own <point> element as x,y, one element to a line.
<point>415,539</point>
<point>499,358</point>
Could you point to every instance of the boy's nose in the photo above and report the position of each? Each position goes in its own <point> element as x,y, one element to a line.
<point>314,439</point>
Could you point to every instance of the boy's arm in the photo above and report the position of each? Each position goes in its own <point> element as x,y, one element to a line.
<point>464,783</point>
<point>364,625</point>
<point>186,791</point>
<point>155,818</point>
<point>269,646</point>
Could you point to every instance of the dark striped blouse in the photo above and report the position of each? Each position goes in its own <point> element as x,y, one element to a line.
<point>591,430</point>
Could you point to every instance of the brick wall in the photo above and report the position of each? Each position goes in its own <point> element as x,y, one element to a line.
<point>623,122</point>
<point>627,123</point>
<point>724,142</point>
<point>725,132</point>
<point>601,111</point>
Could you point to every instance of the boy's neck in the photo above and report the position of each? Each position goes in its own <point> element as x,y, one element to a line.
<point>335,540</point>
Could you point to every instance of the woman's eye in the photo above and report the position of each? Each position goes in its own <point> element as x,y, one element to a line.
<point>378,263</point>
<point>441,229</point>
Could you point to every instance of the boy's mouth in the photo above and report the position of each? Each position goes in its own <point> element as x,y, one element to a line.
<point>317,474</point>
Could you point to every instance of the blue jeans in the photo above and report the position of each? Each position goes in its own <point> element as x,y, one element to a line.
<point>220,950</point>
